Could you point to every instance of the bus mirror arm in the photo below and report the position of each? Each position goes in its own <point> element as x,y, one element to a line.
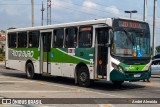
<point>108,44</point>
<point>111,34</point>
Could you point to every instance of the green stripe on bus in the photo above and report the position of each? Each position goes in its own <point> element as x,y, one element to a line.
<point>61,55</point>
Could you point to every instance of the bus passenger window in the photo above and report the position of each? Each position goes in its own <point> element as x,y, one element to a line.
<point>71,37</point>
<point>34,39</point>
<point>58,38</point>
<point>22,39</point>
<point>85,37</point>
<point>12,40</point>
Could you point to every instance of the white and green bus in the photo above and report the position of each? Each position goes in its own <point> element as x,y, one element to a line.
<point>111,49</point>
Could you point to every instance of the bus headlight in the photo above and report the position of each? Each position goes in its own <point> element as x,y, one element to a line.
<point>117,67</point>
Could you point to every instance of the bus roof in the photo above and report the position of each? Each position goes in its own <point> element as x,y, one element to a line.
<point>131,19</point>
<point>107,21</point>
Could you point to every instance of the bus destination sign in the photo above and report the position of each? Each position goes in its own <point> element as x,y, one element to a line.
<point>131,24</point>
<point>86,29</point>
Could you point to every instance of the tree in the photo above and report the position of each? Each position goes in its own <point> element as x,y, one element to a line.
<point>11,28</point>
<point>158,49</point>
<point>3,31</point>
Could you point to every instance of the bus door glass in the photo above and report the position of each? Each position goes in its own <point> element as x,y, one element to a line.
<point>46,47</point>
<point>102,37</point>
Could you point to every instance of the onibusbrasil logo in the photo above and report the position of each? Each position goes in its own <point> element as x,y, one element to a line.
<point>23,54</point>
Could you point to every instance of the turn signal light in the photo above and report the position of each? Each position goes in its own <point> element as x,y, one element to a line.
<point>100,62</point>
<point>134,54</point>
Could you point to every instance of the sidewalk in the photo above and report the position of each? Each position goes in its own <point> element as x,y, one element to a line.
<point>155,76</point>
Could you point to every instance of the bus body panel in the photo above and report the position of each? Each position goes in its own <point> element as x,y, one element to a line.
<point>67,69</point>
<point>55,69</point>
<point>129,72</point>
<point>65,60</point>
<point>17,58</point>
<point>16,64</point>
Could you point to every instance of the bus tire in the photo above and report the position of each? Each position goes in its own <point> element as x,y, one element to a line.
<point>83,77</point>
<point>30,71</point>
<point>117,82</point>
<point>7,67</point>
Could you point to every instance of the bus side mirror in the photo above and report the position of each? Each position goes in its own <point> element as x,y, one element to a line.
<point>107,44</point>
<point>111,36</point>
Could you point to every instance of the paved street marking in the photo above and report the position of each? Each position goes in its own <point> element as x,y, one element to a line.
<point>26,91</point>
<point>106,105</point>
<point>77,89</point>
<point>57,85</point>
<point>15,81</point>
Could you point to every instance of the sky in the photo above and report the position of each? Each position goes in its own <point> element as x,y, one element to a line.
<point>17,13</point>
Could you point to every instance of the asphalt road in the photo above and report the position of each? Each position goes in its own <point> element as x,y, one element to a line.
<point>14,84</point>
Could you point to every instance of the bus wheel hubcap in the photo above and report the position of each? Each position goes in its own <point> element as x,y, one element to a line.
<point>83,77</point>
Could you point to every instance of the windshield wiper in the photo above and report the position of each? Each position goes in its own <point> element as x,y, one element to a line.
<point>127,34</point>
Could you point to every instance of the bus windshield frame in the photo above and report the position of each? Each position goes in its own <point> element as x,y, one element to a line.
<point>130,39</point>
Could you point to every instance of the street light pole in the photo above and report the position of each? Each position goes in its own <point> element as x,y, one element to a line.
<point>145,11</point>
<point>49,12</point>
<point>32,3</point>
<point>130,12</point>
<point>154,26</point>
<point>42,13</point>
<point>130,15</point>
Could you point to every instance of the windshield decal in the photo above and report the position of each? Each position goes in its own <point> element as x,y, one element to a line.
<point>139,51</point>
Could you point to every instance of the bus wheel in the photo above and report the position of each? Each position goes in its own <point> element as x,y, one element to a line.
<point>83,77</point>
<point>30,71</point>
<point>117,82</point>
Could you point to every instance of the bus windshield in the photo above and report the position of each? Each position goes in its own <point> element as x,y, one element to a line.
<point>131,43</point>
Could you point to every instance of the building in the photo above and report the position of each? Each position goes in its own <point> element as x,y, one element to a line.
<point>2,41</point>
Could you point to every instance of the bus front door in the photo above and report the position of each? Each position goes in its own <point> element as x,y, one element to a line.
<point>45,52</point>
<point>102,36</point>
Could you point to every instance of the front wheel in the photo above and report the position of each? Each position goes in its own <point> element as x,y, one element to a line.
<point>83,77</point>
<point>117,82</point>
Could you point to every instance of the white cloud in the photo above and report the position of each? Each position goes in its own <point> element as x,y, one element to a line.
<point>15,13</point>
<point>74,11</point>
<point>61,4</point>
<point>89,6</point>
<point>113,10</point>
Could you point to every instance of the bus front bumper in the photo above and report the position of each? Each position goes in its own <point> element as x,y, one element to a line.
<point>116,75</point>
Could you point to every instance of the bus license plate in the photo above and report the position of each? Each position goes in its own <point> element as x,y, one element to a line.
<point>137,75</point>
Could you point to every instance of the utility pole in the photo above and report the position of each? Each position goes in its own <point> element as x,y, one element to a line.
<point>145,11</point>
<point>154,26</point>
<point>48,12</point>
<point>42,13</point>
<point>32,2</point>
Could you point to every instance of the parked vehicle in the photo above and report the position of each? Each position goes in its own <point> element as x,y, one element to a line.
<point>156,57</point>
<point>155,66</point>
